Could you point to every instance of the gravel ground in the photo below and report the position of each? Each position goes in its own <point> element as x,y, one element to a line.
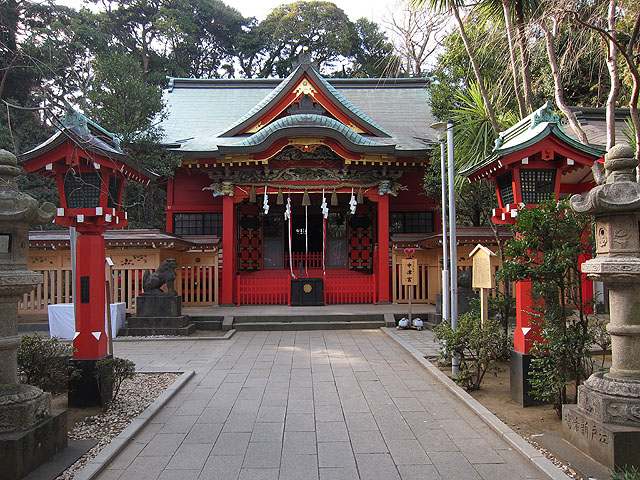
<point>135,395</point>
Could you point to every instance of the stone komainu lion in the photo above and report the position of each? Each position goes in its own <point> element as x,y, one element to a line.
<point>165,274</point>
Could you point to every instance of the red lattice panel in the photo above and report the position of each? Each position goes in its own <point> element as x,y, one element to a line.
<point>360,249</point>
<point>250,249</point>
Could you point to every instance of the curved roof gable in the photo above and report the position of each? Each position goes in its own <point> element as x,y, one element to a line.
<point>304,80</point>
<point>311,124</point>
<point>529,131</point>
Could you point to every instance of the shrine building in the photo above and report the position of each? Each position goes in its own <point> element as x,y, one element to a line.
<point>303,177</point>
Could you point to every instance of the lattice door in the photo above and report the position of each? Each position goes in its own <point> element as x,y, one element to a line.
<point>360,244</point>
<point>250,243</point>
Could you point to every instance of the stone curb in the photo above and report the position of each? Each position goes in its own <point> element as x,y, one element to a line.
<point>226,336</point>
<point>106,456</point>
<point>515,441</point>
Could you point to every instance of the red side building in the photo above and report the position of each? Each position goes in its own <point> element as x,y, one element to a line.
<point>250,148</point>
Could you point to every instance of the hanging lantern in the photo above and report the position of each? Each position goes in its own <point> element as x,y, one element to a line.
<point>252,195</point>
<point>279,198</point>
<point>334,198</point>
<point>359,197</point>
<point>306,201</point>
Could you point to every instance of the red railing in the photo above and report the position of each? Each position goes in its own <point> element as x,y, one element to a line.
<point>264,290</point>
<point>350,289</point>
<point>314,260</point>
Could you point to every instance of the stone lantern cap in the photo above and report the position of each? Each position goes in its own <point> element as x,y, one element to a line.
<point>619,193</point>
<point>14,205</point>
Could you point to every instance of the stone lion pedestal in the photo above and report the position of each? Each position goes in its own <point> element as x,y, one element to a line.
<point>159,312</point>
<point>606,422</point>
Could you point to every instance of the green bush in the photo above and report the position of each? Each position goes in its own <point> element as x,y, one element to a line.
<point>478,347</point>
<point>110,373</point>
<point>44,362</point>
<point>626,473</point>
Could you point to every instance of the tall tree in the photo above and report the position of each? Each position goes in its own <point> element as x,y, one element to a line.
<point>417,35</point>
<point>318,26</point>
<point>453,6</point>
<point>373,55</point>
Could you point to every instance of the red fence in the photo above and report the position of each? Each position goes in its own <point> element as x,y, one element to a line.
<point>314,260</point>
<point>264,290</point>
<point>350,289</point>
<point>273,289</point>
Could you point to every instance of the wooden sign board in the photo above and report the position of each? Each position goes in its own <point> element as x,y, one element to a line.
<point>409,273</point>
<point>482,267</point>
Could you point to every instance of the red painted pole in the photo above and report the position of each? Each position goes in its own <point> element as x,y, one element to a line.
<point>383,248</point>
<point>228,257</point>
<point>91,340</point>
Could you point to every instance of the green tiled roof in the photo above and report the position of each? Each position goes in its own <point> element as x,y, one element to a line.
<point>529,131</point>
<point>203,114</point>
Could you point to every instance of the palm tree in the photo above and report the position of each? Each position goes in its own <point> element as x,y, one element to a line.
<point>453,7</point>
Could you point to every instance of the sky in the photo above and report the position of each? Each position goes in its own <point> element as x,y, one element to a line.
<point>372,9</point>
<point>375,10</point>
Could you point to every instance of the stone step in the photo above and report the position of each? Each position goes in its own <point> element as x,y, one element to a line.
<point>147,332</point>
<point>207,324</point>
<point>157,322</point>
<point>315,325</point>
<point>308,318</point>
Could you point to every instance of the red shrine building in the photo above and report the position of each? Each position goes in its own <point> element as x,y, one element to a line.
<point>534,161</point>
<point>305,177</point>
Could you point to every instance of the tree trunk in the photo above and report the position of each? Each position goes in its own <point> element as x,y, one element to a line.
<point>512,57</point>
<point>557,81</point>
<point>612,66</point>
<point>524,56</point>
<point>476,70</point>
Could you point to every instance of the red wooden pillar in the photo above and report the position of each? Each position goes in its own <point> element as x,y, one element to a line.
<point>383,248</point>
<point>90,341</point>
<point>527,327</point>
<point>228,253</point>
<point>170,203</point>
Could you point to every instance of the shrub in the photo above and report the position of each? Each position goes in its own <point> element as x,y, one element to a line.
<point>44,362</point>
<point>110,373</point>
<point>478,347</point>
<point>626,473</point>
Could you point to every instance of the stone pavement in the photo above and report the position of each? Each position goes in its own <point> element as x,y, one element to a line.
<point>308,405</point>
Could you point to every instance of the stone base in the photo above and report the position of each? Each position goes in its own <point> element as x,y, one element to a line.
<point>611,400</point>
<point>519,367</point>
<point>158,306</point>
<point>83,389</point>
<point>22,406</point>
<point>22,452</point>
<point>157,322</point>
<point>612,445</point>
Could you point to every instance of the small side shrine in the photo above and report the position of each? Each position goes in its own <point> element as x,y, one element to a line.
<point>302,178</point>
<point>90,170</point>
<point>534,161</point>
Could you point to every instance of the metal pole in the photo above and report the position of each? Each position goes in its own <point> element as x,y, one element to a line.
<point>445,258</point>
<point>452,241</point>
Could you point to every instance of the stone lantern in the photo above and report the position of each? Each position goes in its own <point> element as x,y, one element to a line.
<point>606,422</point>
<point>29,434</point>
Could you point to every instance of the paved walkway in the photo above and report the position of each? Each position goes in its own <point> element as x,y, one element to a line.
<point>308,405</point>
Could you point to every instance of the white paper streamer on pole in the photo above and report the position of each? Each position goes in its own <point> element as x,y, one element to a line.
<point>325,214</point>
<point>287,217</point>
<point>306,241</point>
<point>265,202</point>
<point>353,203</point>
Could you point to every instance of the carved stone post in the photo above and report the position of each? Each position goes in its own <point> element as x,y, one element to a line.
<point>29,435</point>
<point>606,422</point>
